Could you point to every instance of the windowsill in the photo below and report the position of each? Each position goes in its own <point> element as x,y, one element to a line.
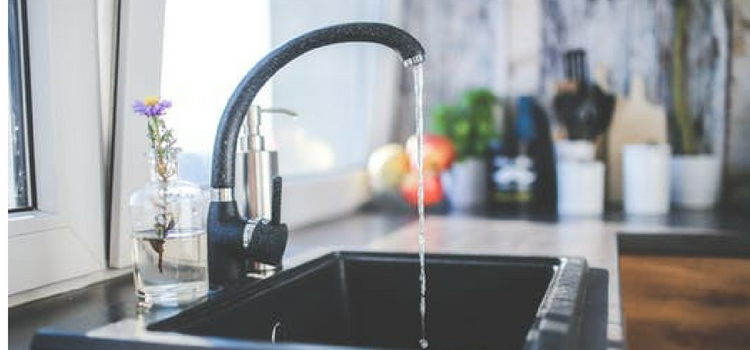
<point>73,284</point>
<point>31,221</point>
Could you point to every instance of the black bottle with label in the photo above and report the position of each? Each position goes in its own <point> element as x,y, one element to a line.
<point>521,173</point>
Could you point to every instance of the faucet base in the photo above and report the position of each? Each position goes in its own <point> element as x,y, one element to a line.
<point>226,263</point>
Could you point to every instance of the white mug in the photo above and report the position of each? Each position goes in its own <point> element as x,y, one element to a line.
<point>580,188</point>
<point>646,175</point>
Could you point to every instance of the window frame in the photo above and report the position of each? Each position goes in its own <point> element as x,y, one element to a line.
<point>138,74</point>
<point>63,237</point>
<point>19,11</point>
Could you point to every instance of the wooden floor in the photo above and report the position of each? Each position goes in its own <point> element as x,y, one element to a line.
<point>686,303</point>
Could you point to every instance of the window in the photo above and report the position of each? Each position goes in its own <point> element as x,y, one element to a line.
<point>334,90</point>
<point>20,185</point>
<point>340,92</point>
<point>195,54</point>
<point>60,233</point>
<point>200,69</point>
<point>59,203</point>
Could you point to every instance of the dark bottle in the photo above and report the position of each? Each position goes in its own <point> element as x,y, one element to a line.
<point>520,167</point>
<point>502,194</point>
<point>541,150</point>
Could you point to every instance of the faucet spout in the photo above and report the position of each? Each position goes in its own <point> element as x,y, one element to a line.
<point>231,238</point>
<point>222,173</point>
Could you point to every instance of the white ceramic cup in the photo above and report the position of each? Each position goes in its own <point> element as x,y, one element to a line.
<point>646,175</point>
<point>580,188</point>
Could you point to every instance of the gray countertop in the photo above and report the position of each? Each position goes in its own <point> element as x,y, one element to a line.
<point>596,240</point>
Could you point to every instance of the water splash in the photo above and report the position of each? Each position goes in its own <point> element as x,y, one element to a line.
<point>419,116</point>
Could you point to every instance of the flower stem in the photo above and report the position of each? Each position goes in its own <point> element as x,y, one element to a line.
<point>158,246</point>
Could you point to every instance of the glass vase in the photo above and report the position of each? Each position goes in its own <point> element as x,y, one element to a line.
<point>169,236</point>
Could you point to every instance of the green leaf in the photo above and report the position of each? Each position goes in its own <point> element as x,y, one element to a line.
<point>469,123</point>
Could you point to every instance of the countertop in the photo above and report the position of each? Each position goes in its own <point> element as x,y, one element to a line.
<point>468,233</point>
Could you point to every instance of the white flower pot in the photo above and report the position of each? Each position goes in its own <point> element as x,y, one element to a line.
<point>696,181</point>
<point>464,184</point>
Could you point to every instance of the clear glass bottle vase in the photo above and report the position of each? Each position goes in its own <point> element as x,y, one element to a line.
<point>169,236</point>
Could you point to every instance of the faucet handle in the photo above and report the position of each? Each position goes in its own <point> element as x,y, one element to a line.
<point>265,241</point>
<point>276,201</point>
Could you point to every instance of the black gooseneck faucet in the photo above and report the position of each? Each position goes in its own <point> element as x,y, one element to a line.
<point>233,239</point>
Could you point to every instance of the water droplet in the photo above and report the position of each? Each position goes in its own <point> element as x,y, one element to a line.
<point>423,343</point>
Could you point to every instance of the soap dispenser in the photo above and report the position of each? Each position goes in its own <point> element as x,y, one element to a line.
<point>255,170</point>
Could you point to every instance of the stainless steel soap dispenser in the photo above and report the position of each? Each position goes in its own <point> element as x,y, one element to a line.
<point>256,166</point>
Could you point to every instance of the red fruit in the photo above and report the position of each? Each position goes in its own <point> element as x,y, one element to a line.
<point>433,190</point>
<point>439,152</point>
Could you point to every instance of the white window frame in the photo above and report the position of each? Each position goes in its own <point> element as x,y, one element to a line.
<point>64,237</point>
<point>139,74</point>
<point>142,24</point>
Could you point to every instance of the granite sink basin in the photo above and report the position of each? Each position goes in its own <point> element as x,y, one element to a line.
<point>352,300</point>
<point>371,300</point>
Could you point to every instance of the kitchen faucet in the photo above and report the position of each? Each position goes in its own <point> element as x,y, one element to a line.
<point>233,239</point>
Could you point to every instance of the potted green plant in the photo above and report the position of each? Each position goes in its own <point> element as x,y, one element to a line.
<point>696,173</point>
<point>470,125</point>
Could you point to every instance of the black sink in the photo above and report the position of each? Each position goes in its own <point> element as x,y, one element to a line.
<point>372,300</point>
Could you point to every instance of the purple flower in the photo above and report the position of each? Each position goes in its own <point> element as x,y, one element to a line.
<point>151,106</point>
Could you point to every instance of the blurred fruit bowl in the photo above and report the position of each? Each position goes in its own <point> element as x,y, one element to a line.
<point>393,169</point>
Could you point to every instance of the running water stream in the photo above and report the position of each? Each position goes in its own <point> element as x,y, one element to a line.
<point>419,116</point>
